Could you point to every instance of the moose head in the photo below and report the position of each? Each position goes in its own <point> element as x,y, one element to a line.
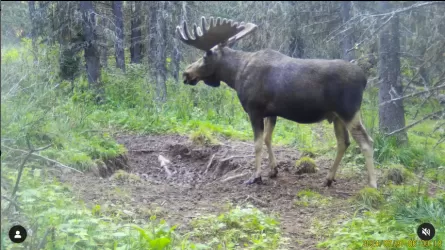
<point>211,39</point>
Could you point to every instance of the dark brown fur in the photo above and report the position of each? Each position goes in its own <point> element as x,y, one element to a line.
<point>270,84</point>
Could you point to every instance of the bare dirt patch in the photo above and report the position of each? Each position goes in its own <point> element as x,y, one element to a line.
<point>204,179</point>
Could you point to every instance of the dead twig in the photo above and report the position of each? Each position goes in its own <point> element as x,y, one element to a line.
<point>13,202</point>
<point>148,150</point>
<point>231,172</point>
<point>414,94</point>
<point>234,177</point>
<point>262,203</point>
<point>209,164</point>
<point>45,158</point>
<point>422,178</point>
<point>416,122</point>
<point>164,163</point>
<point>22,165</point>
<point>237,156</point>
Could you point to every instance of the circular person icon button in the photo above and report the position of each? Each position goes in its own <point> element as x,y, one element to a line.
<point>17,234</point>
<point>426,231</point>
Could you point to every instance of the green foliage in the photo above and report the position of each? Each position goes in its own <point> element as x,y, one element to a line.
<point>203,137</point>
<point>121,175</point>
<point>39,113</point>
<point>239,228</point>
<point>397,221</point>
<point>311,198</point>
<point>397,174</point>
<point>305,161</point>
<point>370,197</point>
<point>37,105</point>
<point>50,205</point>
<point>415,156</point>
<point>69,63</point>
<point>305,165</point>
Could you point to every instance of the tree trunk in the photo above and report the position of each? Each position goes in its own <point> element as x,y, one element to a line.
<point>152,33</point>
<point>32,16</point>
<point>391,115</point>
<point>91,51</point>
<point>348,40</point>
<point>159,50</point>
<point>296,45</point>
<point>102,30</point>
<point>119,28</point>
<point>104,47</point>
<point>136,32</point>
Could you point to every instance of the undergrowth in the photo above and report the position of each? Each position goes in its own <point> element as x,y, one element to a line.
<point>239,228</point>
<point>51,214</point>
<point>39,109</point>
<point>394,226</point>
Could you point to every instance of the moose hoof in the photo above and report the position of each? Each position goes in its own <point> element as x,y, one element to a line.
<point>254,180</point>
<point>328,182</point>
<point>273,173</point>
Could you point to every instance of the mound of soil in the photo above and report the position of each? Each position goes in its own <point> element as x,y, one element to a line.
<point>202,179</point>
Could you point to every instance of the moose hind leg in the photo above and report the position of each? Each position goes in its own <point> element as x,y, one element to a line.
<point>343,142</point>
<point>268,129</point>
<point>365,142</point>
<point>258,130</point>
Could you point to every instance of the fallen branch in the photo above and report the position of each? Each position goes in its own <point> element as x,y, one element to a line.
<point>231,172</point>
<point>262,203</point>
<point>234,177</point>
<point>164,162</point>
<point>237,156</point>
<point>209,164</point>
<point>148,150</point>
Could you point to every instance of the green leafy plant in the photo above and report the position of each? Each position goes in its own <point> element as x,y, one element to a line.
<point>239,228</point>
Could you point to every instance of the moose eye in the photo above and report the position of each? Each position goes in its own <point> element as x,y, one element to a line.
<point>209,53</point>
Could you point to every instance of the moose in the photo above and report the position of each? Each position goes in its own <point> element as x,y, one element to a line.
<point>270,84</point>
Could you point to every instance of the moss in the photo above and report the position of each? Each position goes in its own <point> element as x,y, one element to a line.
<point>308,198</point>
<point>306,165</point>
<point>123,176</point>
<point>370,197</point>
<point>397,174</point>
<point>203,137</point>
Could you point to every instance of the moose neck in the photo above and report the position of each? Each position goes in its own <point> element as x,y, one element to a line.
<point>232,61</point>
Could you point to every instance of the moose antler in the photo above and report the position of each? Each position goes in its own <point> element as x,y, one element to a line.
<point>216,33</point>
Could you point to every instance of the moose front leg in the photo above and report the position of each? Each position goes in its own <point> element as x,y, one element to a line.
<point>268,130</point>
<point>258,130</point>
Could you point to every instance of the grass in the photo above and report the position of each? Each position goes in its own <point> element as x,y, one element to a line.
<point>239,228</point>
<point>370,198</point>
<point>49,206</point>
<point>40,108</point>
<point>309,198</point>
<point>401,209</point>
